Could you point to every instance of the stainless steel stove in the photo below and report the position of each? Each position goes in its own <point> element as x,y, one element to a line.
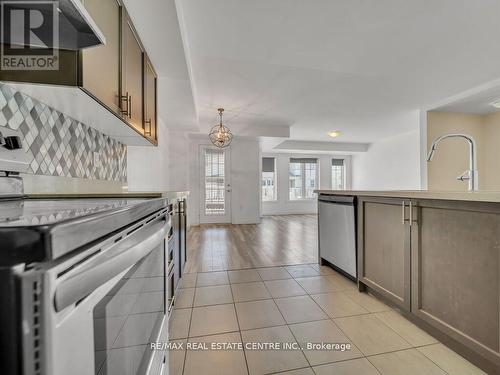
<point>65,224</point>
<point>83,283</point>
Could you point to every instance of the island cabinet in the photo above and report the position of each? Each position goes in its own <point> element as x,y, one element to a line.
<point>439,261</point>
<point>455,251</point>
<point>384,247</point>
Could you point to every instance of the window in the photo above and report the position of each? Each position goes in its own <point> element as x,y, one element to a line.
<point>214,182</point>
<point>269,179</point>
<point>338,174</point>
<point>303,178</point>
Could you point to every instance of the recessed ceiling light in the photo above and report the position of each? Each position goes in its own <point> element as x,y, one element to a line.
<point>336,133</point>
<point>496,103</point>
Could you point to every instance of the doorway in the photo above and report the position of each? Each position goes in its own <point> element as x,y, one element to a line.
<point>215,194</point>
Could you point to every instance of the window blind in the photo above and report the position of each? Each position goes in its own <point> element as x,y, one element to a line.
<point>303,160</point>
<point>267,164</point>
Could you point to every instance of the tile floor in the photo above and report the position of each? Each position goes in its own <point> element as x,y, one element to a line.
<point>298,304</point>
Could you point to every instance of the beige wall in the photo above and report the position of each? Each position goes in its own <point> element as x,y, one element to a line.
<point>452,156</point>
<point>491,153</point>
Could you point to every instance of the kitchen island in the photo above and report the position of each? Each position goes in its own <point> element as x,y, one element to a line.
<point>435,256</point>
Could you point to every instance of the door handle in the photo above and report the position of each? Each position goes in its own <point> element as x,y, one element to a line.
<point>130,106</point>
<point>403,213</point>
<point>150,127</point>
<point>125,98</point>
<point>411,213</point>
<point>410,206</point>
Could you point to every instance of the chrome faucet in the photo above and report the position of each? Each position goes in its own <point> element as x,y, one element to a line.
<point>471,174</point>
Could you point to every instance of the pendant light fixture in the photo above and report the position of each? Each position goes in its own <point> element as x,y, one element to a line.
<point>220,135</point>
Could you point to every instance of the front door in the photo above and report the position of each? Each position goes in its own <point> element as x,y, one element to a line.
<point>215,185</point>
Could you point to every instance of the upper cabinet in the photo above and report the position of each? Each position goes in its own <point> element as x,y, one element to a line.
<point>101,65</point>
<point>117,76</point>
<point>150,92</point>
<point>132,100</point>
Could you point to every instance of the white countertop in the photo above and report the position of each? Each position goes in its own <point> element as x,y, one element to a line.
<point>121,194</point>
<point>475,196</point>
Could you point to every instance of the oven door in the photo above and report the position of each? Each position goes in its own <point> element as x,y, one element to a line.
<point>129,317</point>
<point>100,310</point>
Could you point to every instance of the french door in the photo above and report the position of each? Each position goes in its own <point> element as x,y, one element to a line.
<point>215,193</point>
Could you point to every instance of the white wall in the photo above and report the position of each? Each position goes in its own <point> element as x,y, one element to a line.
<point>148,167</point>
<point>245,181</point>
<point>283,205</point>
<point>178,160</point>
<point>185,174</point>
<point>390,164</point>
<point>423,148</point>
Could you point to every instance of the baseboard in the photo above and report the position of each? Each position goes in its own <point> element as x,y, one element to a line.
<point>289,213</point>
<point>252,221</point>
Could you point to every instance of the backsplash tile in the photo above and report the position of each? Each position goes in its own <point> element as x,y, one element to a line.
<point>59,145</point>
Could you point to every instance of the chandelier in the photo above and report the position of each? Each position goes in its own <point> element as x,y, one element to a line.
<point>220,135</point>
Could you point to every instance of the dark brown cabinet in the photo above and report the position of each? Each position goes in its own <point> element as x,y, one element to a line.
<point>101,65</point>
<point>178,241</point>
<point>68,73</point>
<point>438,261</point>
<point>384,248</point>
<point>132,100</point>
<point>118,75</point>
<point>456,275</point>
<point>150,101</point>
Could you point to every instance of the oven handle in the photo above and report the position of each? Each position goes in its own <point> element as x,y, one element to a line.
<point>83,280</point>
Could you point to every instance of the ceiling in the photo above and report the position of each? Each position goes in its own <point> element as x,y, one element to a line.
<point>477,101</point>
<point>361,67</point>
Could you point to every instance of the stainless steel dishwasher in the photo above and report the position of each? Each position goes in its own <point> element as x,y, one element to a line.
<point>337,232</point>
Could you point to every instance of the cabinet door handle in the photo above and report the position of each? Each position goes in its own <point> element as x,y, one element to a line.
<point>125,98</point>
<point>411,213</point>
<point>130,106</point>
<point>403,208</point>
<point>150,127</point>
<point>403,213</point>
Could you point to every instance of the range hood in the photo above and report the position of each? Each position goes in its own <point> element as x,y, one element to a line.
<point>77,29</point>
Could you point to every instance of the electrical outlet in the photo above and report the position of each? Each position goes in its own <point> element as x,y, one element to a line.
<point>16,160</point>
<point>97,160</point>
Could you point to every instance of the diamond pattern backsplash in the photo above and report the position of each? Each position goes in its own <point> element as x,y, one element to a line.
<point>59,145</point>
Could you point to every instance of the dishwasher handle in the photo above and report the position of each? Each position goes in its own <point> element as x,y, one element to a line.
<point>83,280</point>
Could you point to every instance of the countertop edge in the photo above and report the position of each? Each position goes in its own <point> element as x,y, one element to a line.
<point>128,194</point>
<point>476,196</point>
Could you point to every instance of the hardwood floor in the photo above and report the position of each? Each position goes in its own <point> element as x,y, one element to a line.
<point>276,241</point>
